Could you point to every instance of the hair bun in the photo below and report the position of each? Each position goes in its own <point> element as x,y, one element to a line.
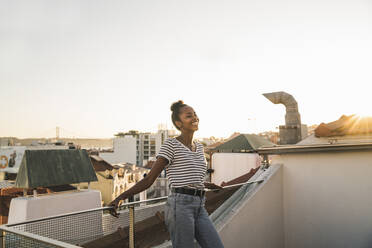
<point>176,105</point>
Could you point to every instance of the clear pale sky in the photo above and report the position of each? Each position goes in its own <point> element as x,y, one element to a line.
<point>99,67</point>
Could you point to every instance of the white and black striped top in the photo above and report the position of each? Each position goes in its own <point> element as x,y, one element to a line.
<point>185,167</point>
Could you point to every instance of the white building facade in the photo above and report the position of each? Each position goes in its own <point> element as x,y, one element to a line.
<point>136,148</point>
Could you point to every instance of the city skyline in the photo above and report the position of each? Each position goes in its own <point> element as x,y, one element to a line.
<point>97,68</point>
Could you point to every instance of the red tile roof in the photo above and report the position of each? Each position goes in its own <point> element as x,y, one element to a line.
<point>99,164</point>
<point>346,125</point>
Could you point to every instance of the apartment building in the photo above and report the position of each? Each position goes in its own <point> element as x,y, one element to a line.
<point>135,147</point>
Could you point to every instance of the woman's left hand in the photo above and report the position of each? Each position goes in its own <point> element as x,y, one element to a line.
<point>209,185</point>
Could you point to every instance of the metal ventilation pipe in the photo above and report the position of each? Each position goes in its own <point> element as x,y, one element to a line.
<point>292,117</point>
<point>291,133</point>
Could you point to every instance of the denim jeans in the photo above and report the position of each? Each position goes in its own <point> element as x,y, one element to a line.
<point>187,219</point>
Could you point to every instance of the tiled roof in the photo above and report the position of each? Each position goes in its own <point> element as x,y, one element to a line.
<point>344,139</point>
<point>45,168</point>
<point>243,142</point>
<point>100,164</point>
<point>6,184</point>
<point>346,125</point>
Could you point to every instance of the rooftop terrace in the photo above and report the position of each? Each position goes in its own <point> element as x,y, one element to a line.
<point>96,228</point>
<point>309,196</point>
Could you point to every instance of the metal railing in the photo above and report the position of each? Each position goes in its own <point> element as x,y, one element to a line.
<point>83,227</point>
<point>78,228</point>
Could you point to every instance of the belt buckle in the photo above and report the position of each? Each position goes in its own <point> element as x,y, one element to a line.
<point>195,192</point>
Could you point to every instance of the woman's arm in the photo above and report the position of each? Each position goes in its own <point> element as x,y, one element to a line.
<point>142,185</point>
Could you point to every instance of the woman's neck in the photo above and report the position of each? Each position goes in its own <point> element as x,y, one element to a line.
<point>186,138</point>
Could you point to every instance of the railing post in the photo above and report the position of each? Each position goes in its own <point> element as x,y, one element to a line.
<point>131,227</point>
<point>2,239</point>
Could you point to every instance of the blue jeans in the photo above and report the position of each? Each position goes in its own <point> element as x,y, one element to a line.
<point>186,219</point>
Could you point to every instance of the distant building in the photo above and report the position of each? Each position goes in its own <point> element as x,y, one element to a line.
<point>115,179</point>
<point>135,147</point>
<point>159,188</point>
<point>6,142</point>
<point>271,136</point>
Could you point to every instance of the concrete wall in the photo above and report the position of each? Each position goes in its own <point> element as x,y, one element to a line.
<point>228,166</point>
<point>258,222</point>
<point>327,199</point>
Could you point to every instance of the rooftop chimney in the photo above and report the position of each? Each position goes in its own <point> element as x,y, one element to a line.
<point>293,131</point>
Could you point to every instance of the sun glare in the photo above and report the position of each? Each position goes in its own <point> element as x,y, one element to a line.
<point>363,114</point>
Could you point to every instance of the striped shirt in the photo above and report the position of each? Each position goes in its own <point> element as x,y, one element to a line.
<point>185,167</point>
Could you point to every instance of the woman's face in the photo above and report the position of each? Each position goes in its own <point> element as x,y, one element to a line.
<point>188,119</point>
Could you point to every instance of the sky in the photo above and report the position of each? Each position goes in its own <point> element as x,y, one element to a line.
<point>95,68</point>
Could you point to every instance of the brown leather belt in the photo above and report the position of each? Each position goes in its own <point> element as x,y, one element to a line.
<point>194,192</point>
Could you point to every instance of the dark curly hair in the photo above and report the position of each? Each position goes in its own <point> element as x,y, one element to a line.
<point>175,108</point>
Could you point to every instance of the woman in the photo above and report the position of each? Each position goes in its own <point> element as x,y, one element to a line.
<point>184,161</point>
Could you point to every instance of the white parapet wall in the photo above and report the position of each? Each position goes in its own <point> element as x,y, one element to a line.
<point>30,207</point>
<point>327,199</point>
<point>257,219</point>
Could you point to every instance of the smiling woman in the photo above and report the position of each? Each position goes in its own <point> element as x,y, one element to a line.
<point>185,164</point>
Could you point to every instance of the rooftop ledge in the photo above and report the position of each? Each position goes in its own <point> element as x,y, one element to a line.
<point>283,149</point>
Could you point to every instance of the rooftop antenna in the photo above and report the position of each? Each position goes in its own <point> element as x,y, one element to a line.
<point>57,133</point>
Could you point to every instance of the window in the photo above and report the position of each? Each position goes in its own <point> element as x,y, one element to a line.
<point>130,179</point>
<point>116,191</point>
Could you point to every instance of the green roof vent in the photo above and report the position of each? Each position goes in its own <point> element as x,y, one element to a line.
<point>44,168</point>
